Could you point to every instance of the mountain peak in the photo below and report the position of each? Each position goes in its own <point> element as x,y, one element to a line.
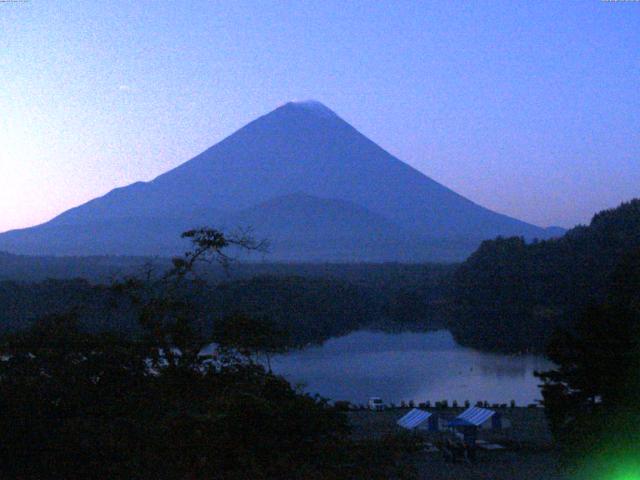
<point>299,147</point>
<point>311,106</point>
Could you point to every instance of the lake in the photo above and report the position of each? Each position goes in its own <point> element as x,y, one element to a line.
<point>410,366</point>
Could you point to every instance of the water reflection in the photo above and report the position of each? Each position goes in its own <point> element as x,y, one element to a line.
<point>410,366</point>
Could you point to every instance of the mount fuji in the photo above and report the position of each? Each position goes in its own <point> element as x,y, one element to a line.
<point>300,177</point>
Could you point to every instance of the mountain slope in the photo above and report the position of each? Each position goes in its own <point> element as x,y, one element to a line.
<point>301,227</point>
<point>299,147</point>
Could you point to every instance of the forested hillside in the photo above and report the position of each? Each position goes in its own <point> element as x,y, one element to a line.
<point>313,302</point>
<point>509,296</point>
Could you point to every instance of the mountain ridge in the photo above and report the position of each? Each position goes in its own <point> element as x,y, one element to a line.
<point>298,147</point>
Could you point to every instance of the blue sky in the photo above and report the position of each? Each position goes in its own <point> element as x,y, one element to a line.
<point>529,108</point>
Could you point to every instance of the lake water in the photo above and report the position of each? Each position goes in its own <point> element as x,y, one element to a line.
<point>410,366</point>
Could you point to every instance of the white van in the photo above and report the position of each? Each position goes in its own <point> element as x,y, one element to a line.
<point>376,403</point>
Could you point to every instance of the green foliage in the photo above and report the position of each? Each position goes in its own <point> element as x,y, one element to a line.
<point>68,401</point>
<point>310,310</point>
<point>319,302</point>
<point>510,296</point>
<point>251,336</point>
<point>77,405</point>
<point>591,399</point>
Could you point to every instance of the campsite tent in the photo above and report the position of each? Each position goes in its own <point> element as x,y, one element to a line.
<point>418,419</point>
<point>482,418</point>
<point>476,418</point>
<point>473,417</point>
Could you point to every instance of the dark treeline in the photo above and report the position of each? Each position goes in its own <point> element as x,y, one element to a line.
<point>510,296</point>
<point>103,269</point>
<point>329,300</point>
<point>96,269</point>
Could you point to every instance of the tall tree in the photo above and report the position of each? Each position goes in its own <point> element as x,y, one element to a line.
<point>592,397</point>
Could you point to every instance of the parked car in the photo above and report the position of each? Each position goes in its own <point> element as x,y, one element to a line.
<point>376,403</point>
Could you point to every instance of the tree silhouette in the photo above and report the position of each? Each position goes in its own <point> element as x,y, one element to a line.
<point>591,398</point>
<point>252,337</point>
<point>77,405</point>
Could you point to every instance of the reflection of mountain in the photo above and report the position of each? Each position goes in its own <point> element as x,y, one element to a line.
<point>299,175</point>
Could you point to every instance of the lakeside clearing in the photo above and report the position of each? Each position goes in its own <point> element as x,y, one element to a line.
<point>529,452</point>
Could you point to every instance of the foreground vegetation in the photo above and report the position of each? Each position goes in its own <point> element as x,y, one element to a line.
<point>77,405</point>
<point>592,397</point>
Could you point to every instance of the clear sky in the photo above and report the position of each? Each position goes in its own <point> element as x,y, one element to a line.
<point>531,108</point>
